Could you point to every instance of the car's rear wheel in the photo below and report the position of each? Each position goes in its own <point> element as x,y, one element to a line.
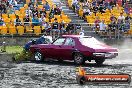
<point>38,56</point>
<point>99,61</point>
<point>78,59</point>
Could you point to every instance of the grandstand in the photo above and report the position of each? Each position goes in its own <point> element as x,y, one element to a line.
<point>32,25</point>
<point>9,26</point>
<point>91,17</point>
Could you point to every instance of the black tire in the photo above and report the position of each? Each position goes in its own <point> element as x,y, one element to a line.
<point>99,61</point>
<point>38,56</point>
<point>78,59</point>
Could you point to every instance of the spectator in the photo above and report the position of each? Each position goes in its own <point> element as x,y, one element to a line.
<point>94,3</point>
<point>112,17</point>
<point>11,9</point>
<point>51,14</point>
<point>35,12</point>
<point>55,28</point>
<point>121,26</point>
<point>35,21</point>
<point>47,6</point>
<point>62,27</point>
<point>31,5</point>
<point>87,4</point>
<point>123,2</point>
<point>74,4</point>
<point>102,26</point>
<point>77,8</point>
<point>86,12</point>
<point>57,11</point>
<point>113,25</point>
<point>29,12</point>
<point>47,27</point>
<point>17,21</point>
<point>97,21</point>
<point>1,22</point>
<point>95,9</point>
<point>77,28</point>
<point>126,8</point>
<point>41,19</point>
<point>3,8</point>
<point>100,2</point>
<point>26,20</point>
<point>70,28</point>
<point>106,4</point>
<point>102,9</point>
<point>127,22</point>
<point>112,4</point>
<point>127,26</point>
<point>13,2</point>
<point>128,18</point>
<point>43,12</point>
<point>121,18</point>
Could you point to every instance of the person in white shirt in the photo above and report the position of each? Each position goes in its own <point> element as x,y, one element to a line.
<point>86,12</point>
<point>28,12</point>
<point>74,1</point>
<point>102,26</point>
<point>121,17</point>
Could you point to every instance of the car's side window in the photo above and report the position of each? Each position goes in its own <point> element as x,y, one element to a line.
<point>59,41</point>
<point>70,42</point>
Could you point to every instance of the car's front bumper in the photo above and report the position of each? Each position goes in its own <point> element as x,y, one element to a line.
<point>108,55</point>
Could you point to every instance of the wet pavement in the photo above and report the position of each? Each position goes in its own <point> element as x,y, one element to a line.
<point>52,74</point>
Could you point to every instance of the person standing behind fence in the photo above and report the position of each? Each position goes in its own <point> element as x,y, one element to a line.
<point>47,6</point>
<point>18,21</point>
<point>102,27</point>
<point>1,22</point>
<point>55,27</point>
<point>35,21</point>
<point>97,21</point>
<point>26,20</point>
<point>112,27</point>
<point>121,20</point>
<point>47,27</point>
<point>128,21</point>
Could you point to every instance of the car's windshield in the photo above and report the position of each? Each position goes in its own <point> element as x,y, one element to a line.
<point>59,41</point>
<point>89,41</point>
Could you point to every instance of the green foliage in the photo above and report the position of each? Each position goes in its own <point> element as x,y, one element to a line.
<point>12,49</point>
<point>24,55</point>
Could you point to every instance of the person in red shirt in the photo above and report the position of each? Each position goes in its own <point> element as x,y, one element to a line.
<point>97,21</point>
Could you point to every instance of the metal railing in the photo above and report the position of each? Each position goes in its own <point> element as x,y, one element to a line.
<point>116,32</point>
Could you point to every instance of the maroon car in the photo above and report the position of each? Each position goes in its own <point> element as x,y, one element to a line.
<point>74,47</point>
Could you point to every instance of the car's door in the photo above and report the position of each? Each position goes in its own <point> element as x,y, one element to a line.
<point>57,50</point>
<point>67,49</point>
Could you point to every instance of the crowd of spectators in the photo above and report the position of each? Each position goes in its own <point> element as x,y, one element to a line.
<point>91,7</point>
<point>35,16</point>
<point>120,24</point>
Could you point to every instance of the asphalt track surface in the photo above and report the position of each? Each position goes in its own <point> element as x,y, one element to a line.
<point>52,74</point>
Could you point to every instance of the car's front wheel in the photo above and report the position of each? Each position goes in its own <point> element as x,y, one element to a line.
<point>78,59</point>
<point>99,61</point>
<point>38,56</point>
